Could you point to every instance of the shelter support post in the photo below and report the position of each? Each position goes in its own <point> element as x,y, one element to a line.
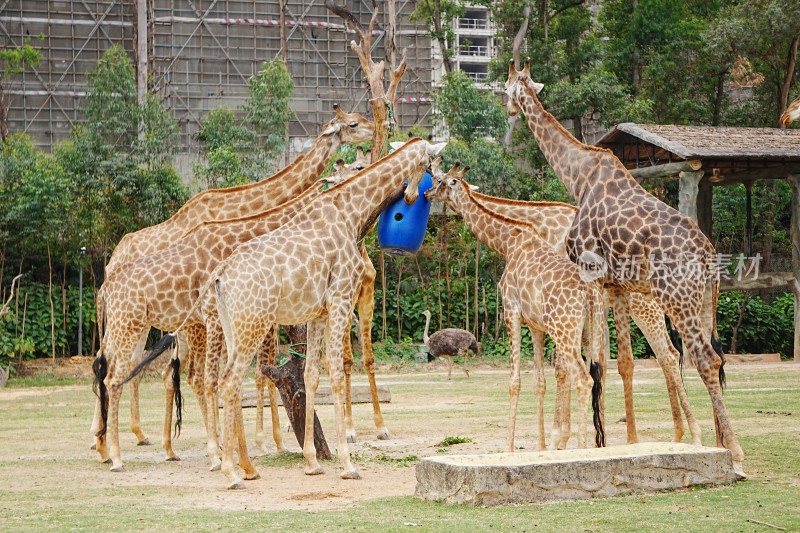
<point>688,190</point>
<point>794,182</point>
<point>705,199</point>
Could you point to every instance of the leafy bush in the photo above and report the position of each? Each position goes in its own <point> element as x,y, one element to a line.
<point>37,341</point>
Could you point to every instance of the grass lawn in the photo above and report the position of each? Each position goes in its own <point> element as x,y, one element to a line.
<point>50,480</point>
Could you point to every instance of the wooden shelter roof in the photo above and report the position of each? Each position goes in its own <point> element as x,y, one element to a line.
<point>725,150</point>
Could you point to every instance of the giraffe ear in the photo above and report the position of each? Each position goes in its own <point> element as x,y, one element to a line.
<point>473,187</point>
<point>537,86</point>
<point>332,128</point>
<point>396,145</point>
<point>434,149</point>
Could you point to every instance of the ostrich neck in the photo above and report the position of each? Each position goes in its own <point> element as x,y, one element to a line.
<point>425,337</point>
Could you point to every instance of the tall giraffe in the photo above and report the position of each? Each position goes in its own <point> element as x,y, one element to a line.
<point>542,290</point>
<point>552,221</point>
<point>308,270</point>
<point>635,243</point>
<point>135,302</point>
<point>233,202</point>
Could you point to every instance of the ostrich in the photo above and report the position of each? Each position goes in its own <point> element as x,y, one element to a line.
<point>450,342</point>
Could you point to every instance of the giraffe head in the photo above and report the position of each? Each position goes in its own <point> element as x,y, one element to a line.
<point>431,150</point>
<point>792,112</point>
<point>447,186</point>
<point>517,80</point>
<point>350,128</point>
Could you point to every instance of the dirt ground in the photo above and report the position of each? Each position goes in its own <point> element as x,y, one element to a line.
<point>425,408</point>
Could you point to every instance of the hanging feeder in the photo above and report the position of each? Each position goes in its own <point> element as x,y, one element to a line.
<point>401,227</point>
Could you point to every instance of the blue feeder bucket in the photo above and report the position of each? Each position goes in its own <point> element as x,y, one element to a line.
<point>401,227</point>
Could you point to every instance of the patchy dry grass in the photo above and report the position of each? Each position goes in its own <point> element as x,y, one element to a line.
<point>50,480</point>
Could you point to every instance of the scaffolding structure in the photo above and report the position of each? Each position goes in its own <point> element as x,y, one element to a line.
<point>199,55</point>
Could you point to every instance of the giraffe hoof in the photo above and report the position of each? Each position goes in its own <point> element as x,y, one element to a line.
<point>351,439</point>
<point>314,471</point>
<point>384,435</point>
<point>253,476</point>
<point>144,442</point>
<point>117,468</point>
<point>738,469</point>
<point>105,460</point>
<point>93,447</point>
<point>350,474</point>
<point>173,458</point>
<point>280,450</point>
<point>236,485</point>
<point>215,467</point>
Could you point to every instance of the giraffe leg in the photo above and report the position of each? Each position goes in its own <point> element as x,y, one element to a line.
<point>347,362</point>
<point>557,437</point>
<point>245,463</point>
<point>696,341</point>
<point>195,365</point>
<point>513,326</point>
<point>229,390</point>
<point>130,343</point>
<point>169,393</point>
<point>578,376</point>
<point>338,320</point>
<point>619,303</point>
<point>650,319</point>
<point>366,309</point>
<point>266,355</point>
<point>215,354</point>
<point>136,422</point>
<point>539,384</point>
<point>311,377</point>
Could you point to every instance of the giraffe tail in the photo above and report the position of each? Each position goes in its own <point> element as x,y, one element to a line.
<point>100,370</point>
<point>176,382</point>
<point>159,348</point>
<point>596,372</point>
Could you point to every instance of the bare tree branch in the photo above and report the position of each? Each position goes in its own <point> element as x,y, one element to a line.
<point>5,307</point>
<point>349,19</point>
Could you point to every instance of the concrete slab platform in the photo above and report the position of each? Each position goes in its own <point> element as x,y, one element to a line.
<point>494,479</point>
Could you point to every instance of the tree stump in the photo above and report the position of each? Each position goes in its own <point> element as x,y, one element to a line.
<point>288,378</point>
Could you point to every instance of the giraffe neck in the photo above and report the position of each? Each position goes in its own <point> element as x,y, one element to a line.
<point>492,229</point>
<point>552,220</point>
<point>562,150</point>
<point>307,168</point>
<point>359,197</point>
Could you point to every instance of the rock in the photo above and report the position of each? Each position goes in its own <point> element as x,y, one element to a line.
<point>494,479</point>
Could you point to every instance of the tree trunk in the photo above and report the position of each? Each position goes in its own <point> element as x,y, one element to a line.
<point>288,378</point>
<point>397,301</point>
<point>383,295</point>
<point>3,113</point>
<point>787,80</point>
<point>477,270</point>
<point>52,305</point>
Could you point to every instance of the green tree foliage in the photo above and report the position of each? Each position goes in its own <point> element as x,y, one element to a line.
<point>14,60</point>
<point>469,113</point>
<point>437,15</point>
<point>239,151</point>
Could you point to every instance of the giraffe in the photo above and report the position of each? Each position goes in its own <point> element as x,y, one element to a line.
<point>233,202</point>
<point>542,290</point>
<point>552,221</point>
<point>791,113</point>
<point>635,243</point>
<point>308,271</point>
<point>134,303</point>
